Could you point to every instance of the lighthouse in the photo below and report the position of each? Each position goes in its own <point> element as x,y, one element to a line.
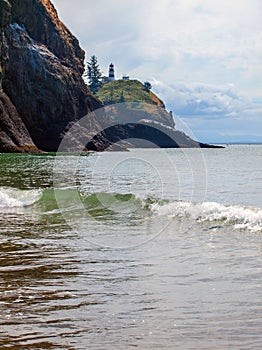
<point>111,72</point>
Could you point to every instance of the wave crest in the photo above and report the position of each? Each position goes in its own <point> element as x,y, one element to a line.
<point>241,217</point>
<point>16,198</point>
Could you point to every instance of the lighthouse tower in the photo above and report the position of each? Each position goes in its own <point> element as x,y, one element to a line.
<point>111,72</point>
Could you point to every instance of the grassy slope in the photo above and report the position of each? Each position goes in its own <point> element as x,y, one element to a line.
<point>127,91</point>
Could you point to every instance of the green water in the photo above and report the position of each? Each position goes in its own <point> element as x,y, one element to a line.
<point>144,249</point>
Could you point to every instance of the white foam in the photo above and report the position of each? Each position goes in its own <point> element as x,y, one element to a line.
<point>15,198</point>
<point>240,217</point>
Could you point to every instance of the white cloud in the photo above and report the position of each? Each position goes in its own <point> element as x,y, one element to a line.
<point>211,112</point>
<point>196,99</point>
<point>216,41</point>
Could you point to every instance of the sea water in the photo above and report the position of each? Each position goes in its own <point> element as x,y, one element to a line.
<point>147,249</point>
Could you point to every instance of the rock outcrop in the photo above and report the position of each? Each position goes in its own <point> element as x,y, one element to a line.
<point>128,129</point>
<point>42,66</point>
<point>138,118</point>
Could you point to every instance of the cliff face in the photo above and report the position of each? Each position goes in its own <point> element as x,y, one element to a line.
<point>14,136</point>
<point>42,66</point>
<point>41,22</point>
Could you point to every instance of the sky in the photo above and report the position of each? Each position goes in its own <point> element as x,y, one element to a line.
<point>202,57</point>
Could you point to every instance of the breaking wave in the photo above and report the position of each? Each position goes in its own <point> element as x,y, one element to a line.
<point>236,216</point>
<point>241,217</point>
<point>16,198</point>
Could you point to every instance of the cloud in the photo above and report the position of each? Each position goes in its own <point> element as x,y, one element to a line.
<point>216,41</point>
<point>194,99</point>
<point>211,112</point>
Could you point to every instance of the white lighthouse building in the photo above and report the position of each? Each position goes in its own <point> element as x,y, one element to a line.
<point>111,74</point>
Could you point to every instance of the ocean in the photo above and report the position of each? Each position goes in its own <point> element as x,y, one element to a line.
<point>147,249</point>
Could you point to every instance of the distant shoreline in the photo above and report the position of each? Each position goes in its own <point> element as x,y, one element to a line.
<point>236,143</point>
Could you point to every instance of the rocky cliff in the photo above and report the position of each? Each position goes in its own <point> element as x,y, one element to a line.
<point>14,136</point>
<point>42,93</point>
<point>42,90</point>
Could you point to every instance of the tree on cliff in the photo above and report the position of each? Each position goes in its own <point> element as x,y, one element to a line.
<point>94,74</point>
<point>147,86</point>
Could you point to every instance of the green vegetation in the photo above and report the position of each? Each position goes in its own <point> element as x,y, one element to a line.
<point>94,74</point>
<point>126,91</point>
<point>144,104</point>
<point>147,86</point>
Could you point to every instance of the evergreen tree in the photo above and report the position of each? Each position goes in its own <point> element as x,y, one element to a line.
<point>147,86</point>
<point>94,74</point>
